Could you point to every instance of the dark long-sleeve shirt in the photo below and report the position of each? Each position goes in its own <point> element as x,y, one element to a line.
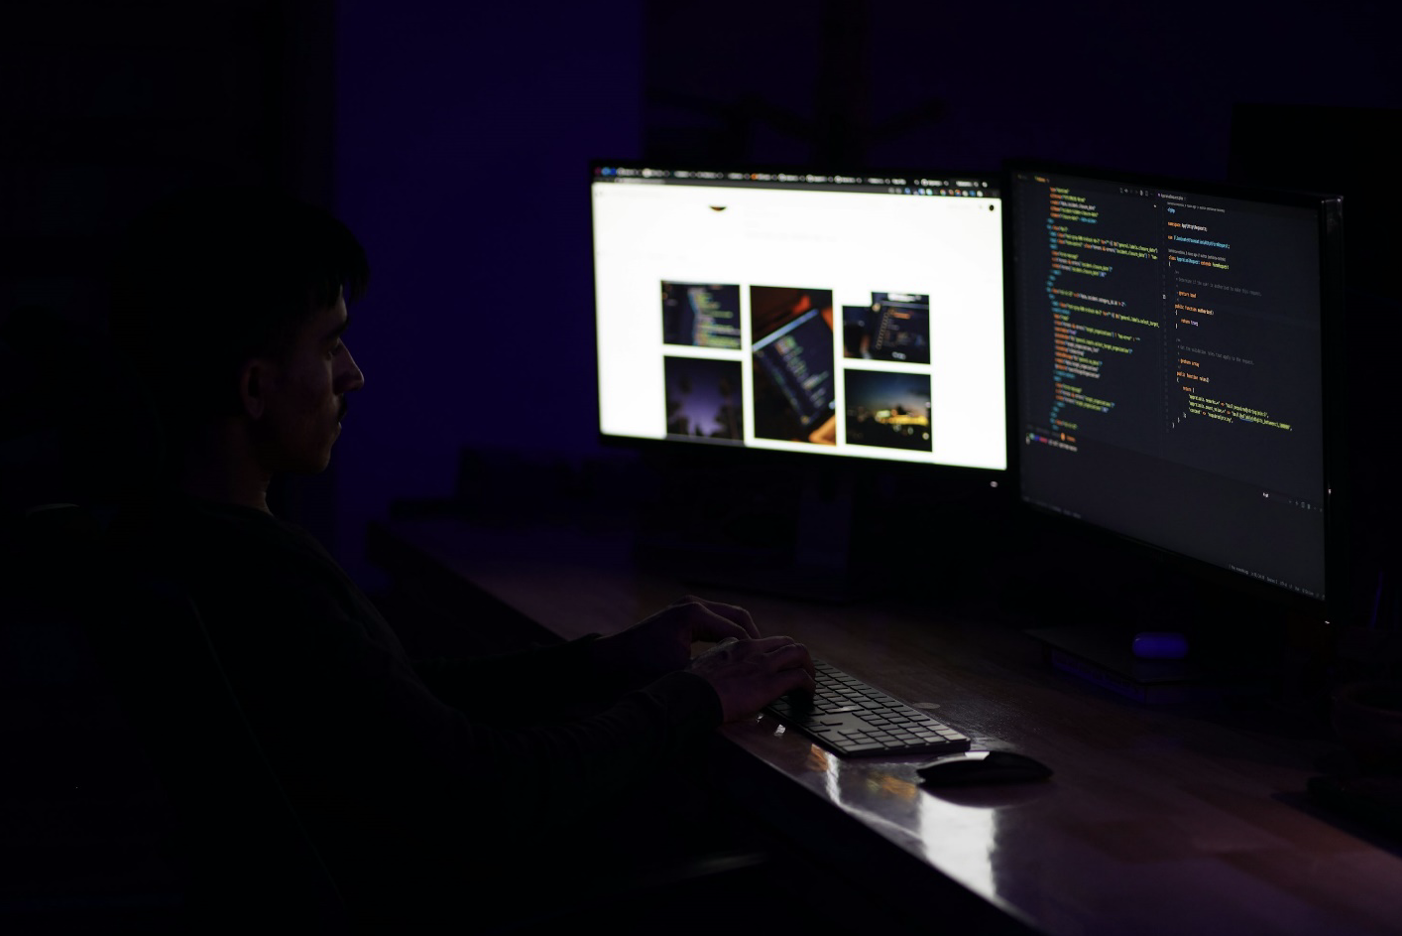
<point>378,752</point>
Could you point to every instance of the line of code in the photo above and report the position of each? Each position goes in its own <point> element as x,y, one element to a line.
<point>716,324</point>
<point>1208,370</point>
<point>1089,329</point>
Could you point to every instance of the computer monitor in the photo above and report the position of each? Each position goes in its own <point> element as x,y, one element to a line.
<point>1174,363</point>
<point>827,314</point>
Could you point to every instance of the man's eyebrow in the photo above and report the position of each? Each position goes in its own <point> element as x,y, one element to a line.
<point>336,332</point>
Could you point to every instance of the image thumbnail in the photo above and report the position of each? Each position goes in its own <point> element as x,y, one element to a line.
<point>701,315</point>
<point>895,327</point>
<point>773,307</point>
<point>794,377</point>
<point>703,399</point>
<point>889,410</point>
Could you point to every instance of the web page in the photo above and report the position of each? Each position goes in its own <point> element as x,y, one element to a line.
<point>723,318</point>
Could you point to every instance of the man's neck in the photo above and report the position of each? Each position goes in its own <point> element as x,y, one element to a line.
<point>214,489</point>
<point>220,466</point>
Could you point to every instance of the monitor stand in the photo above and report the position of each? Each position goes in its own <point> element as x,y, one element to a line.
<point>783,532</point>
<point>1104,657</point>
<point>1093,598</point>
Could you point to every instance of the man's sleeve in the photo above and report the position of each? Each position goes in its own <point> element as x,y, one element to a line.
<point>552,677</point>
<point>345,716</point>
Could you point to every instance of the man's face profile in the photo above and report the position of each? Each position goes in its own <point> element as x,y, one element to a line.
<point>297,397</point>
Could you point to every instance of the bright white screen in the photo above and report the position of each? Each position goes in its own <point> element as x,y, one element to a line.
<point>849,246</point>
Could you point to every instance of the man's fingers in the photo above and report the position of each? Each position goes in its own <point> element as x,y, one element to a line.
<point>782,653</point>
<point>749,673</point>
<point>772,644</point>
<point>736,615</point>
<point>713,627</point>
<point>791,679</point>
<point>730,616</point>
<point>793,655</point>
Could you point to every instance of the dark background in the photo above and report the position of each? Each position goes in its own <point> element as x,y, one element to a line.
<point>453,140</point>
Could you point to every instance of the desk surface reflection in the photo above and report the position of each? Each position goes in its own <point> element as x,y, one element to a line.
<point>1159,819</point>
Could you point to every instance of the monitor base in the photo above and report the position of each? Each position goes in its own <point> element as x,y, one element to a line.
<point>776,571</point>
<point>1105,658</point>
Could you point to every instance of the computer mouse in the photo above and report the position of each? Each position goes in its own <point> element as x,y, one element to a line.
<point>978,767</point>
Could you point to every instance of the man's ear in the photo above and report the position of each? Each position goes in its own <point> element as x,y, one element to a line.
<point>255,378</point>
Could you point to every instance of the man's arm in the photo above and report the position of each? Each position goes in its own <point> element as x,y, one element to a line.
<point>522,685</point>
<point>344,716</point>
<point>594,668</point>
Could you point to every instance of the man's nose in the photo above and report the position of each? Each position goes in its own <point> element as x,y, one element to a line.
<point>352,378</point>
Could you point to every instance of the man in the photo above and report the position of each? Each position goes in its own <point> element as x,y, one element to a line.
<point>232,306</point>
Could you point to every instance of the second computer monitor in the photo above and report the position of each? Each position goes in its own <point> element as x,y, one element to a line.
<point>823,313</point>
<point>1173,380</point>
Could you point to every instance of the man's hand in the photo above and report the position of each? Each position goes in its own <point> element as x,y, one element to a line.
<point>662,643</point>
<point>749,674</point>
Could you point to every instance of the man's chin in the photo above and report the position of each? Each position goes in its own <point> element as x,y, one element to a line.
<point>314,464</point>
<point>308,468</point>
<point>325,456</point>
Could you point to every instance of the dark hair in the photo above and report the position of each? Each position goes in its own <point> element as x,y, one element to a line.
<point>215,275</point>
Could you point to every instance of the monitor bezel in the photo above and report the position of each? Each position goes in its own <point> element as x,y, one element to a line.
<point>1329,213</point>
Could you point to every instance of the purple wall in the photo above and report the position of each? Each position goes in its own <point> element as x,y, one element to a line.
<point>1146,87</point>
<point>478,327</point>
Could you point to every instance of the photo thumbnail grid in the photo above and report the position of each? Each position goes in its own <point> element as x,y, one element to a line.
<point>796,370</point>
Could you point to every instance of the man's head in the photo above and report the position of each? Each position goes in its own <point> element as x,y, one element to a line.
<point>230,303</point>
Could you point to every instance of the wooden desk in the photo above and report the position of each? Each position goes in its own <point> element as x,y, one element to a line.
<point>1171,819</point>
